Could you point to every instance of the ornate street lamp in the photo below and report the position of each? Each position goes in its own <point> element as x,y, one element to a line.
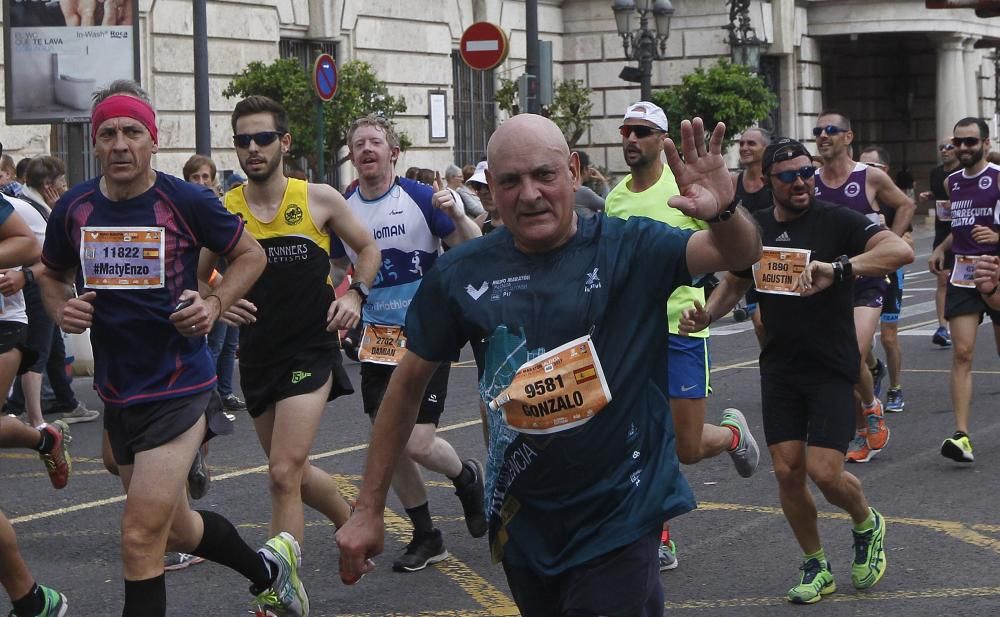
<point>643,44</point>
<point>744,46</point>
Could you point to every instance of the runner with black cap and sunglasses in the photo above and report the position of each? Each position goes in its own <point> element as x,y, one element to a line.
<point>809,361</point>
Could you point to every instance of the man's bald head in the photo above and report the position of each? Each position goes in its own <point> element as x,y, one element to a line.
<point>538,130</point>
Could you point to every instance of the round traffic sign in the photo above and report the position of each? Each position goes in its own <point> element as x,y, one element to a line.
<point>325,77</point>
<point>483,46</point>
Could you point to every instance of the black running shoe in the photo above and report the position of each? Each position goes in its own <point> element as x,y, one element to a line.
<point>471,496</point>
<point>422,551</point>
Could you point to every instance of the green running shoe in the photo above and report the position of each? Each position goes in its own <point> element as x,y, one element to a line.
<point>56,604</point>
<point>286,597</point>
<point>869,554</point>
<point>817,581</point>
<point>958,448</point>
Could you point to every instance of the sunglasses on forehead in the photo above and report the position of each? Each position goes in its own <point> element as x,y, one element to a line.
<point>789,176</point>
<point>829,129</point>
<point>264,138</point>
<point>639,130</point>
<point>968,142</point>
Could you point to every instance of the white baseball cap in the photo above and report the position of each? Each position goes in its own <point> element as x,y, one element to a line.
<point>480,174</point>
<point>644,110</point>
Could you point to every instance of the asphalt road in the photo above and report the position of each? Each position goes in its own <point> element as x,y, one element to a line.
<point>737,556</point>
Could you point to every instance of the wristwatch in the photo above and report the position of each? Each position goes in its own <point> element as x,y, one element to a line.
<point>843,269</point>
<point>29,276</point>
<point>726,213</point>
<point>361,289</point>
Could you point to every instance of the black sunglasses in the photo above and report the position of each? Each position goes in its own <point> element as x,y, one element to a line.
<point>829,129</point>
<point>639,130</point>
<point>946,147</point>
<point>789,176</point>
<point>968,142</point>
<point>264,138</point>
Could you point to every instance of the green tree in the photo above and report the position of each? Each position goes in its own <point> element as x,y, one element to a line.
<point>359,92</point>
<point>570,108</point>
<point>725,92</point>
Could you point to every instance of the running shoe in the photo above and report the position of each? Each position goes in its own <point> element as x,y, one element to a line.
<point>178,561</point>
<point>668,556</point>
<point>941,338</point>
<point>471,496</point>
<point>878,432</point>
<point>421,552</point>
<point>894,400</point>
<point>869,554</point>
<point>286,597</point>
<point>878,376</point>
<point>54,603</point>
<point>816,582</point>
<point>231,402</point>
<point>57,461</point>
<point>858,451</point>
<point>81,414</point>
<point>746,455</point>
<point>958,448</point>
<point>199,477</point>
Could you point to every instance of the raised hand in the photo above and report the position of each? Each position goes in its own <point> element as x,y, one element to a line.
<point>704,182</point>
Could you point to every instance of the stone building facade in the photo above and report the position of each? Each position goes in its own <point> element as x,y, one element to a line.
<point>904,73</point>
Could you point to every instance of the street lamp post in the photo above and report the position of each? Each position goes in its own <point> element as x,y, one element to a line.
<point>744,46</point>
<point>644,44</point>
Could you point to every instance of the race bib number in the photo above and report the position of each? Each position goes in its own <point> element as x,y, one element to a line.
<point>122,257</point>
<point>964,272</point>
<point>382,344</point>
<point>942,207</point>
<point>562,389</point>
<point>778,270</point>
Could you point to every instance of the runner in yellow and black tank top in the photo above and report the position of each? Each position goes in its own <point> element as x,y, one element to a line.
<point>295,283</point>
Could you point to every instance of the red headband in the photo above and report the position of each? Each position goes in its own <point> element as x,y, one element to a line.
<point>119,106</point>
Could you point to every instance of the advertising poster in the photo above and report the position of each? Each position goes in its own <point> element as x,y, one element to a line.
<point>58,52</point>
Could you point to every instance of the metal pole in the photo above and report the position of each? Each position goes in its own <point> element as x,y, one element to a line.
<point>531,40</point>
<point>320,142</point>
<point>645,57</point>
<point>202,106</point>
<point>76,166</point>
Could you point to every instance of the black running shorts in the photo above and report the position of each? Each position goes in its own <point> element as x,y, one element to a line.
<point>146,426</point>
<point>307,371</point>
<point>632,571</point>
<point>375,379</point>
<point>960,301</point>
<point>817,410</point>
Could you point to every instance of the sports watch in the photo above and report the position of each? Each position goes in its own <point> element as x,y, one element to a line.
<point>843,269</point>
<point>361,289</point>
<point>726,213</point>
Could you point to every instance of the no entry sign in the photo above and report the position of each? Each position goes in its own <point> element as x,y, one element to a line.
<point>483,46</point>
<point>325,77</point>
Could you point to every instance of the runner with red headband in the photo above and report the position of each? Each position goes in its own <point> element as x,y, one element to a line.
<point>136,235</point>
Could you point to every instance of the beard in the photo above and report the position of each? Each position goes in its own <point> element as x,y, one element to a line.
<point>269,170</point>
<point>788,205</point>
<point>970,159</point>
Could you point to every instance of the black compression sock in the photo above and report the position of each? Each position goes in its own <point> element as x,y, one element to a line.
<point>31,604</point>
<point>465,477</point>
<point>221,543</point>
<point>146,598</point>
<point>421,517</point>
<point>46,442</point>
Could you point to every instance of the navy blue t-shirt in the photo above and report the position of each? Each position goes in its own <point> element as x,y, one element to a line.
<point>557,501</point>
<point>138,354</point>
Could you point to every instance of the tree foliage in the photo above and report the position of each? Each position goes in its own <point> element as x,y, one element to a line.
<point>570,108</point>
<point>359,92</point>
<point>726,92</point>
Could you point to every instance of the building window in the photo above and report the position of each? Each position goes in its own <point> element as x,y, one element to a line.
<point>475,111</point>
<point>306,51</point>
<point>770,70</point>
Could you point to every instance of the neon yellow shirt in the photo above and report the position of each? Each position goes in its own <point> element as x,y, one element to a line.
<point>652,203</point>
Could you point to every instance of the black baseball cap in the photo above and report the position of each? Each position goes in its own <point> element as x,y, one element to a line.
<point>783,149</point>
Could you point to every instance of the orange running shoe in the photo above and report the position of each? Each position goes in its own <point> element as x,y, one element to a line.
<point>878,432</point>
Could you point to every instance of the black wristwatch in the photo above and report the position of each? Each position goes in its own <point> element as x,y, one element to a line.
<point>843,269</point>
<point>29,276</point>
<point>361,289</point>
<point>727,213</point>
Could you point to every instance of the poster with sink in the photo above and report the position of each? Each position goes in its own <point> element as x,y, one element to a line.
<point>58,53</point>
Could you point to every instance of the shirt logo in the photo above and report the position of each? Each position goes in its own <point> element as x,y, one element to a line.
<point>593,282</point>
<point>293,215</point>
<point>985,182</point>
<point>395,212</point>
<point>852,189</point>
<point>477,293</point>
<point>783,237</point>
<point>298,376</point>
<point>954,187</point>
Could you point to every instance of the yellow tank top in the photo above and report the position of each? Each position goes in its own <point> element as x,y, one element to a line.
<point>292,218</point>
